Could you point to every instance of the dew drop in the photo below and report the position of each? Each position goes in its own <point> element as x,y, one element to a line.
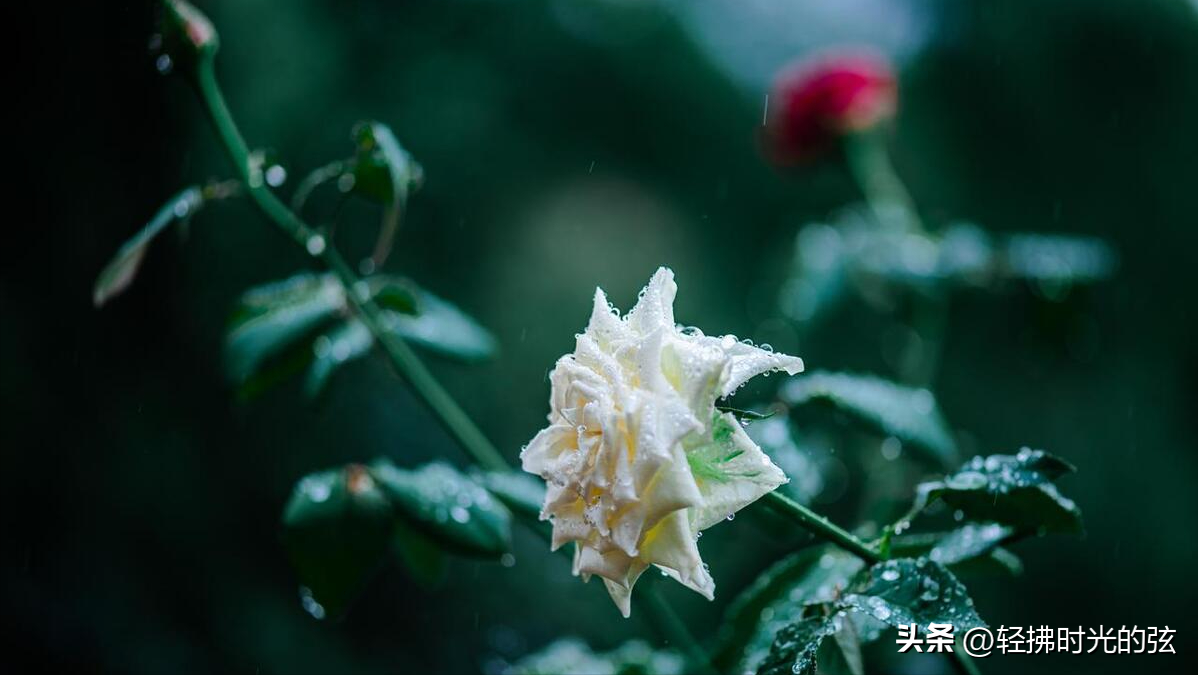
<point>275,175</point>
<point>164,64</point>
<point>315,245</point>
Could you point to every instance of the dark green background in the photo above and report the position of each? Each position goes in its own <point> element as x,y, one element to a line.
<point>563,147</point>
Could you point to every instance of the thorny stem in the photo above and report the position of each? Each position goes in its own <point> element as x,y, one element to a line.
<point>405,361</point>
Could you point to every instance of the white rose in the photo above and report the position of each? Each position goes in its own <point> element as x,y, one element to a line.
<point>636,457</point>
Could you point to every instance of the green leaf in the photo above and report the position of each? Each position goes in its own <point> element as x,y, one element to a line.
<point>422,557</point>
<point>344,343</point>
<point>970,550</point>
<point>520,492</point>
<point>907,591</point>
<point>336,528</point>
<point>571,656</point>
<point>911,415</point>
<point>121,270</point>
<point>448,507</point>
<point>1015,490</point>
<point>442,328</point>
<point>271,318</point>
<point>1056,258</point>
<point>796,645</point>
<point>820,277</point>
<point>777,598</point>
<point>383,171</point>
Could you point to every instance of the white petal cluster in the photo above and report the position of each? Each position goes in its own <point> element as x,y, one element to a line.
<point>636,457</point>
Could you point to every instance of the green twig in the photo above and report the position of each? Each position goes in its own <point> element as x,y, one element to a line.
<point>406,362</point>
<point>822,527</point>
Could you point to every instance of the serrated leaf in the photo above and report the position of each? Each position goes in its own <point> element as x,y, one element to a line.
<point>909,414</point>
<point>519,491</point>
<point>273,317</point>
<point>447,507</point>
<point>1015,490</point>
<point>777,598</point>
<point>795,647</point>
<point>121,270</point>
<point>912,591</point>
<point>336,528</point>
<point>443,328</point>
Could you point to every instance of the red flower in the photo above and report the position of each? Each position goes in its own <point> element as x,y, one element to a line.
<point>817,100</point>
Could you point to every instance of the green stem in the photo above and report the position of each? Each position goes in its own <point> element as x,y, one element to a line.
<point>405,361</point>
<point>822,527</point>
<point>884,191</point>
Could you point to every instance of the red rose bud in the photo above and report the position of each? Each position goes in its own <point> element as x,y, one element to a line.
<point>817,100</point>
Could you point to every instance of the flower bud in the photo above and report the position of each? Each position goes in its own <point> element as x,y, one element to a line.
<point>187,36</point>
<point>816,101</point>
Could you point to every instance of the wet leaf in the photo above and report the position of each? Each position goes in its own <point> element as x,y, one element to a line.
<point>820,275</point>
<point>343,343</point>
<point>121,270</point>
<point>796,645</point>
<point>270,318</point>
<point>909,414</point>
<point>1016,490</point>
<point>777,598</point>
<point>974,549</point>
<point>336,528</point>
<point>571,656</point>
<point>447,507</point>
<point>519,491</point>
<point>907,591</point>
<point>442,328</point>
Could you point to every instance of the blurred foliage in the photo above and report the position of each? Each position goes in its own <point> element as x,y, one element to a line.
<point>564,145</point>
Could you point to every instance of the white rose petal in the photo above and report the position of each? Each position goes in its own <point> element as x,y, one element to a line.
<point>636,457</point>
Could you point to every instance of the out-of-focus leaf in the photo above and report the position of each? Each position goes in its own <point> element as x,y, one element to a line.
<point>422,557</point>
<point>796,645</point>
<point>121,270</point>
<point>776,438</point>
<point>820,274</point>
<point>907,591</point>
<point>272,317</point>
<point>1015,490</point>
<point>1055,258</point>
<point>447,507</point>
<point>336,527</point>
<point>395,293</point>
<point>343,343</point>
<point>909,414</point>
<point>571,656</point>
<point>842,654</point>
<point>383,171</point>
<point>778,598</point>
<point>519,491</point>
<point>443,328</point>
